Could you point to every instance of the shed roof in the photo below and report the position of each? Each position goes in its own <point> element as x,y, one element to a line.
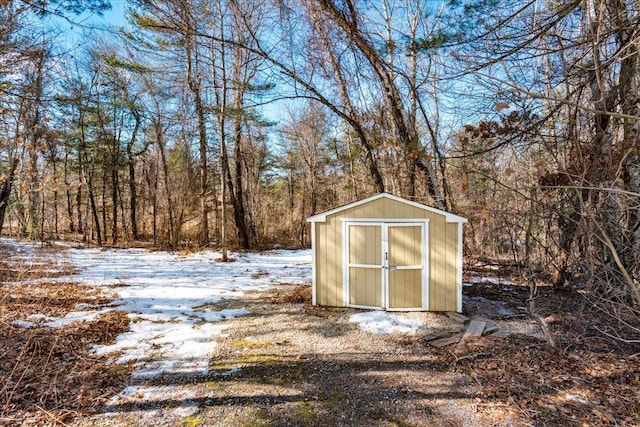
<point>449,217</point>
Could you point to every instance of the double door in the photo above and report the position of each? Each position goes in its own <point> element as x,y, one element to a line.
<point>386,265</point>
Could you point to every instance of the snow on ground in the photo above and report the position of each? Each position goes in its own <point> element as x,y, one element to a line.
<point>380,322</point>
<point>28,256</point>
<point>165,294</point>
<point>487,279</point>
<point>39,320</point>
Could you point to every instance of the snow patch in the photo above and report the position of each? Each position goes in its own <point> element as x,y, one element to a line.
<point>227,373</point>
<point>490,280</point>
<point>40,320</point>
<point>379,322</point>
<point>148,401</point>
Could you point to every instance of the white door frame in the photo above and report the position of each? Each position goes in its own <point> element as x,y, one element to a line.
<point>384,247</point>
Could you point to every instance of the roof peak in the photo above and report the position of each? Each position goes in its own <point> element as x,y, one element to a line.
<point>449,217</point>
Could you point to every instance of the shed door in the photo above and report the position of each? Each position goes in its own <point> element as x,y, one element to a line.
<point>405,266</point>
<point>365,265</point>
<point>386,265</point>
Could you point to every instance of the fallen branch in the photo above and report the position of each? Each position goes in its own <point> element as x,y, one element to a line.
<point>617,338</point>
<point>469,356</point>
<point>53,418</point>
<point>545,329</point>
<point>533,295</point>
<point>633,288</point>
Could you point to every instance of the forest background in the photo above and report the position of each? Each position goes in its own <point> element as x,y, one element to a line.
<point>227,123</point>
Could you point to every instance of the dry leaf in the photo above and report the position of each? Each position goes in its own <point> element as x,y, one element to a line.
<point>484,214</point>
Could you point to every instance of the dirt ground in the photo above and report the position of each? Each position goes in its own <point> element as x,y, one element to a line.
<point>293,364</point>
<point>290,364</point>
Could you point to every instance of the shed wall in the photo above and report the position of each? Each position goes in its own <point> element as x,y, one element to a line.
<point>443,238</point>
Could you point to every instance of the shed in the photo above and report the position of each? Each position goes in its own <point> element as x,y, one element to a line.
<point>386,252</point>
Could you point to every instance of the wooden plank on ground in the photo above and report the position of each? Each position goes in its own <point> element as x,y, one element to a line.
<point>489,329</point>
<point>437,334</point>
<point>474,330</point>
<point>501,334</point>
<point>445,341</point>
<point>457,316</point>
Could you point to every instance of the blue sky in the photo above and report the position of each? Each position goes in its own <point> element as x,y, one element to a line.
<point>76,32</point>
<point>75,29</point>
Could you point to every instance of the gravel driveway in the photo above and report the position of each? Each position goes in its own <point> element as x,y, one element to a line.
<point>290,364</point>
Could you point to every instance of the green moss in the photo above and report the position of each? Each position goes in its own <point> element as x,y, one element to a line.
<point>266,359</point>
<point>259,423</point>
<point>329,403</point>
<point>282,381</point>
<point>213,385</point>
<point>191,421</point>
<point>306,411</point>
<point>247,360</point>
<point>250,344</point>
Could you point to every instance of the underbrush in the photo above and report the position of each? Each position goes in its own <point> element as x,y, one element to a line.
<point>592,377</point>
<point>49,375</point>
<point>299,294</point>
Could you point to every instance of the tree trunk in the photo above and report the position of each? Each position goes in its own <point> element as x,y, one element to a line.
<point>131,163</point>
<point>133,199</point>
<point>115,160</point>
<point>34,190</point>
<point>204,181</point>
<point>35,129</point>
<point>350,115</point>
<point>86,171</point>
<point>238,198</point>
<point>628,87</point>
<point>55,198</point>
<point>194,82</point>
<point>81,228</point>
<point>94,209</point>
<point>87,176</point>
<point>152,171</point>
<point>203,238</point>
<point>5,191</point>
<point>172,232</point>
